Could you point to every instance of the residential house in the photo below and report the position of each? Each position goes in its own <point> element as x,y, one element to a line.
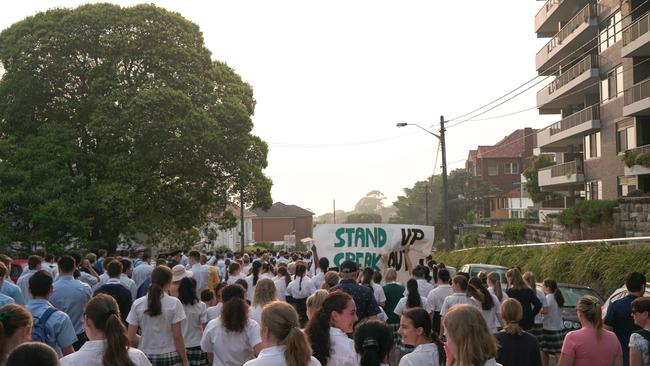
<point>231,238</point>
<point>280,220</point>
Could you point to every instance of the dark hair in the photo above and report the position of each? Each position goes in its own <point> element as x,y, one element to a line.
<point>376,278</point>
<point>421,319</point>
<point>373,340</point>
<point>207,295</point>
<point>413,299</point>
<point>242,282</point>
<point>635,282</point>
<point>318,327</point>
<point>3,270</point>
<point>282,271</point>
<point>300,272</point>
<point>194,255</point>
<point>146,256</point>
<point>33,353</point>
<point>33,261</point>
<point>487,302</point>
<point>418,271</point>
<point>323,264</point>
<point>160,277</point>
<point>103,312</point>
<point>40,283</point>
<point>76,256</point>
<point>463,283</point>
<point>443,275</point>
<point>49,257</point>
<point>218,288</point>
<point>234,314</point>
<point>255,271</point>
<point>66,264</point>
<point>641,305</point>
<point>187,291</point>
<point>552,285</point>
<point>368,273</point>
<point>114,269</point>
<point>16,317</point>
<point>126,265</point>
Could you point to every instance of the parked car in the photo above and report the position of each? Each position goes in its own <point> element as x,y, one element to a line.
<point>17,267</point>
<point>621,293</point>
<point>571,294</point>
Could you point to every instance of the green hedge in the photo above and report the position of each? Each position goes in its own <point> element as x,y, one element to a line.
<point>599,266</point>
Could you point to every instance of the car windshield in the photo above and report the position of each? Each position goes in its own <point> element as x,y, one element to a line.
<point>573,294</point>
<point>476,269</point>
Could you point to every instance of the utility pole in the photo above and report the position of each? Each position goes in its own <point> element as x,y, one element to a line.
<point>426,202</point>
<point>242,233</point>
<point>445,190</point>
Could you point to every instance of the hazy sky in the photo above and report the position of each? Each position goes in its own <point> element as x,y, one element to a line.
<point>331,79</point>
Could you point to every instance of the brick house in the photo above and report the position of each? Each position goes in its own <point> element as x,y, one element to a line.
<point>280,220</point>
<point>500,165</point>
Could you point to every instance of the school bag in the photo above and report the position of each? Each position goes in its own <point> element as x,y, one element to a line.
<point>40,331</point>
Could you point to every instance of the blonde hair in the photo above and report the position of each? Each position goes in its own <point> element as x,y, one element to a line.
<point>264,292</point>
<point>529,277</point>
<point>494,279</point>
<point>466,327</point>
<point>281,319</point>
<point>590,307</point>
<point>516,280</point>
<point>512,313</point>
<point>391,275</point>
<point>331,279</point>
<point>315,301</point>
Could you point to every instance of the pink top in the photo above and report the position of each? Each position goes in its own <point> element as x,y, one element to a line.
<point>587,350</point>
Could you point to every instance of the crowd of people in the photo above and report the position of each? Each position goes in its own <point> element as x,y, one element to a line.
<point>295,309</point>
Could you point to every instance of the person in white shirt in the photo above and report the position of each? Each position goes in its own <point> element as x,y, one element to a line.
<point>469,341</point>
<point>437,296</point>
<point>282,341</point>
<point>126,280</point>
<point>327,331</point>
<point>33,266</point>
<point>221,266</point>
<point>234,273</point>
<point>299,290</point>
<point>143,271</point>
<point>281,282</point>
<point>462,292</point>
<point>319,277</point>
<point>107,340</point>
<point>553,325</point>
<point>373,341</point>
<point>377,290</point>
<point>538,326</point>
<point>233,338</point>
<point>247,266</point>
<point>251,279</point>
<point>415,330</point>
<point>16,328</point>
<point>489,305</point>
<point>214,311</point>
<point>315,302</point>
<point>199,272</point>
<point>424,287</point>
<point>494,286</point>
<point>264,294</point>
<point>159,317</point>
<point>412,300</point>
<point>195,321</point>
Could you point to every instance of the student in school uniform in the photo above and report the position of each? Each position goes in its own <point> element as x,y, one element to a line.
<point>264,294</point>
<point>214,311</point>
<point>234,273</point>
<point>107,342</point>
<point>251,279</point>
<point>159,317</point>
<point>299,290</point>
<point>195,321</point>
<point>281,281</point>
<point>16,329</point>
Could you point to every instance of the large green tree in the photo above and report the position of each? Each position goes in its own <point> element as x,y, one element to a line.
<point>116,120</point>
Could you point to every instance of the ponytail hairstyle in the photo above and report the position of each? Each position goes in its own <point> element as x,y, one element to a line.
<point>12,318</point>
<point>529,277</point>
<point>300,272</point>
<point>487,303</point>
<point>281,320</point>
<point>315,301</point>
<point>318,327</point>
<point>552,285</point>
<point>234,314</point>
<point>413,300</point>
<point>373,341</point>
<point>494,279</point>
<point>282,271</point>
<point>160,277</point>
<point>590,308</point>
<point>421,319</point>
<point>264,292</point>
<point>515,279</point>
<point>103,312</point>
<point>368,274</point>
<point>330,280</point>
<point>187,291</point>
<point>464,285</point>
<point>255,271</point>
<point>512,313</point>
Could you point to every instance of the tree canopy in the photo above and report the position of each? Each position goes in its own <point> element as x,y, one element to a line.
<point>116,120</point>
<point>532,183</point>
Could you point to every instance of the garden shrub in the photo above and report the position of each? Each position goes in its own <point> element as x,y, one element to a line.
<point>587,213</point>
<point>514,231</point>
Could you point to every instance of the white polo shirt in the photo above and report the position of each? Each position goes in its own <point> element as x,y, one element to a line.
<point>437,297</point>
<point>156,331</point>
<point>401,305</point>
<point>456,299</point>
<point>92,352</point>
<point>196,315</point>
<point>300,290</point>
<point>274,356</point>
<point>230,348</point>
<point>214,311</point>
<point>424,354</point>
<point>342,352</point>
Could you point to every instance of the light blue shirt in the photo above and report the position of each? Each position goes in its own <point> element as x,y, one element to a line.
<point>23,283</point>
<point>4,300</point>
<point>59,324</point>
<point>12,291</point>
<point>70,296</point>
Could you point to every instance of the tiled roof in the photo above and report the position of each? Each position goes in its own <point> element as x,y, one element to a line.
<point>279,209</point>
<point>511,146</point>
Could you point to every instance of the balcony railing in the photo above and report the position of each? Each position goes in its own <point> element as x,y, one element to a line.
<point>637,92</point>
<point>639,150</point>
<point>636,30</point>
<point>550,4</point>
<point>587,13</point>
<point>587,114</point>
<point>587,63</point>
<point>562,202</point>
<point>566,169</point>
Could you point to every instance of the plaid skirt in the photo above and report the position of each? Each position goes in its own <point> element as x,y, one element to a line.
<point>197,357</point>
<point>536,330</point>
<point>165,359</point>
<point>552,341</point>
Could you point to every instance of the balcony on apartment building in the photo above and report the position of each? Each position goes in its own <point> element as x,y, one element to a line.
<point>560,177</point>
<point>570,87</point>
<point>569,130</point>
<point>580,31</point>
<point>636,169</point>
<point>552,13</point>
<point>637,99</point>
<point>636,38</point>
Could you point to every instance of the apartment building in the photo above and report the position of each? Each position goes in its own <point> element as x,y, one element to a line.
<point>500,166</point>
<point>599,57</point>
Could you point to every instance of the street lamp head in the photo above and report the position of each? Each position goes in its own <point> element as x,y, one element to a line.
<point>402,124</point>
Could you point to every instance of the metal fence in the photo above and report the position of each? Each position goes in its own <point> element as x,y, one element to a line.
<point>642,240</point>
<point>636,30</point>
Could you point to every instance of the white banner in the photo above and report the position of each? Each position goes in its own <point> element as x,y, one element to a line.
<point>365,244</point>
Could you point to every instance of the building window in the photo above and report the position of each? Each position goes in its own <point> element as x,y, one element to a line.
<point>610,31</point>
<point>594,190</point>
<point>515,214</point>
<point>625,139</point>
<point>511,168</point>
<point>493,170</point>
<point>592,146</point>
<point>612,86</point>
<point>627,185</point>
<point>477,169</point>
